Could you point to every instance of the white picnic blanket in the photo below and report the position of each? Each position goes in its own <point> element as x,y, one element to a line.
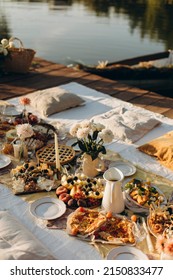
<point>97,104</point>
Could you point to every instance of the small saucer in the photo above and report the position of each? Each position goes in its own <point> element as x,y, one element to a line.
<point>126,167</point>
<point>126,253</point>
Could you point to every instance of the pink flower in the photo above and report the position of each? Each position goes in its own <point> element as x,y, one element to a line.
<point>160,242</point>
<point>25,101</point>
<point>169,246</point>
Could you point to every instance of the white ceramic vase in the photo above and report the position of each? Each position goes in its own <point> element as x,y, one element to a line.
<point>91,168</point>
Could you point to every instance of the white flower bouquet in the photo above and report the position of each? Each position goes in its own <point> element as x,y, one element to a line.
<point>91,137</point>
<point>5,45</point>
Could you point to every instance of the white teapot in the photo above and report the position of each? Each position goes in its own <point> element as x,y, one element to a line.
<point>113,196</point>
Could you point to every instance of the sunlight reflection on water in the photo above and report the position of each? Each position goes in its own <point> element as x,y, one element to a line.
<point>70,33</point>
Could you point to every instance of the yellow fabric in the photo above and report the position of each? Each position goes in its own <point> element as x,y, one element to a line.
<point>161,148</point>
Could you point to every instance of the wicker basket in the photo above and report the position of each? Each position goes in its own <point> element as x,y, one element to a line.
<point>19,59</point>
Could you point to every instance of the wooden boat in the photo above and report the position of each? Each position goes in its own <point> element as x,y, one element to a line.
<point>151,72</point>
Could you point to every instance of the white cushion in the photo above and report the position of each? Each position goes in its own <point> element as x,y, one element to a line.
<point>53,100</point>
<point>17,242</point>
<point>126,125</point>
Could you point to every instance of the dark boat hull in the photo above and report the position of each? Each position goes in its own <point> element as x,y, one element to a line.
<point>150,78</point>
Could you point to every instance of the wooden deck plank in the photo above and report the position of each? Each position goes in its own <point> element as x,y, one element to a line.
<point>39,68</point>
<point>46,74</point>
<point>106,86</point>
<point>169,114</point>
<point>161,106</point>
<point>128,94</point>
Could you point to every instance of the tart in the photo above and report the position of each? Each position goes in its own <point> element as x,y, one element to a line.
<point>47,154</point>
<point>84,221</point>
<point>100,226</point>
<point>116,229</point>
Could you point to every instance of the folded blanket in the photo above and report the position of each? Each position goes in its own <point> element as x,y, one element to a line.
<point>127,125</point>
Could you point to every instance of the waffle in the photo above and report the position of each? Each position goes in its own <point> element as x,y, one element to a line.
<point>47,154</point>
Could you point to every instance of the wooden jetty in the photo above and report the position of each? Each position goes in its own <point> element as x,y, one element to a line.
<point>46,74</point>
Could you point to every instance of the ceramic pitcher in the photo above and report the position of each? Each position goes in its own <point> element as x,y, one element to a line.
<point>113,196</point>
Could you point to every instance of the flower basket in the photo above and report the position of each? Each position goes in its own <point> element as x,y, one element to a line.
<point>19,59</point>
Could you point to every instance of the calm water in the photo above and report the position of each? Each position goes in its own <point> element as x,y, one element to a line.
<point>89,31</point>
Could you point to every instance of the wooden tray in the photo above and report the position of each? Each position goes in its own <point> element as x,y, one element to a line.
<point>47,154</point>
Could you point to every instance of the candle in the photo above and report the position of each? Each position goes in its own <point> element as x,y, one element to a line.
<point>57,153</point>
<point>16,148</point>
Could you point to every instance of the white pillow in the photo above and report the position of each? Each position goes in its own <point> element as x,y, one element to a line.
<point>17,242</point>
<point>126,125</point>
<point>53,100</point>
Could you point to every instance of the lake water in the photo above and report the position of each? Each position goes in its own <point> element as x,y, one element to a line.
<point>89,31</point>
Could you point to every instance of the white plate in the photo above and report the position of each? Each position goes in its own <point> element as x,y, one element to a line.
<point>11,112</point>
<point>125,167</point>
<point>4,161</point>
<point>135,208</point>
<point>126,253</point>
<point>48,208</point>
<point>70,142</point>
<point>130,199</point>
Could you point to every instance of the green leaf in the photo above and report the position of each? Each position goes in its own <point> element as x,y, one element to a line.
<point>89,137</point>
<point>82,146</point>
<point>94,156</point>
<point>95,134</point>
<point>103,150</point>
<point>74,144</point>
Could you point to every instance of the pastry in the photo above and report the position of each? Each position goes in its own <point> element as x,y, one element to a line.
<point>32,177</point>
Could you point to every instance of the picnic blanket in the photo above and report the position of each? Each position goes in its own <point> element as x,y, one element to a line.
<point>96,105</point>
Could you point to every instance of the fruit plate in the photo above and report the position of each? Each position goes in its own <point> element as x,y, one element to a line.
<point>126,253</point>
<point>80,190</point>
<point>47,208</point>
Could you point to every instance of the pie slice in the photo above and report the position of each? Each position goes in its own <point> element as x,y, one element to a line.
<point>84,221</point>
<point>116,229</point>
